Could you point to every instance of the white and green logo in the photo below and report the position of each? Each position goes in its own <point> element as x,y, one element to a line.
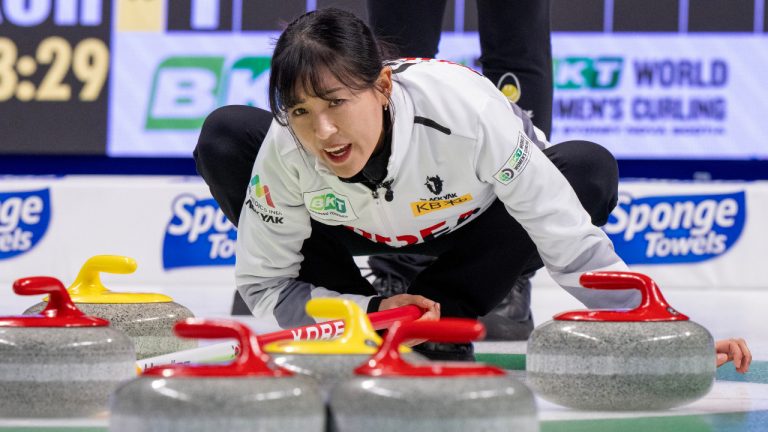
<point>326,204</point>
<point>601,73</point>
<point>516,162</point>
<point>186,89</point>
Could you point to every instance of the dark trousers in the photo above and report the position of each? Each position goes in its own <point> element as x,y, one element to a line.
<point>514,37</point>
<point>475,266</point>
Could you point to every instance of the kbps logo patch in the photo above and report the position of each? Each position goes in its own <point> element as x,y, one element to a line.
<point>24,219</point>
<point>676,229</point>
<point>198,235</point>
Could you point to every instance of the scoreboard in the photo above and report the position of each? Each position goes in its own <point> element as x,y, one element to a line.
<point>658,79</point>
<point>54,70</point>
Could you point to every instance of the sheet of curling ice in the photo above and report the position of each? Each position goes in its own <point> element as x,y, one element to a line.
<point>223,352</point>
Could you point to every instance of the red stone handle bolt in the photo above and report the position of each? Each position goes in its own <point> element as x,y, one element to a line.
<point>653,306</point>
<point>387,361</point>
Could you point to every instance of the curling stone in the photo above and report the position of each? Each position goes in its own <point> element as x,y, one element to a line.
<point>59,363</point>
<point>329,361</point>
<point>248,394</point>
<point>390,394</point>
<point>648,358</point>
<point>146,318</point>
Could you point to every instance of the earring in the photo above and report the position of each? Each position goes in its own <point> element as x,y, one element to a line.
<point>386,107</point>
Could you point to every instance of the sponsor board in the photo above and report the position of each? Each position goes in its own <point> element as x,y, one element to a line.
<point>659,96</point>
<point>198,234</point>
<point>676,229</point>
<point>640,95</point>
<point>159,104</point>
<point>24,220</point>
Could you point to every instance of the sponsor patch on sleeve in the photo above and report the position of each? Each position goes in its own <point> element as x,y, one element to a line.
<point>260,201</point>
<point>516,162</point>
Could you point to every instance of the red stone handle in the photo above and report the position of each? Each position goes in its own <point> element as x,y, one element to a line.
<point>60,305</point>
<point>653,306</point>
<point>388,362</point>
<point>249,360</point>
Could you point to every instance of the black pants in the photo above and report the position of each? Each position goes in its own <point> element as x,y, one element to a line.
<point>476,265</point>
<point>514,37</point>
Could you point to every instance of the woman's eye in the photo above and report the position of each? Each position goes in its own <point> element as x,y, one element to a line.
<point>336,102</point>
<point>298,111</point>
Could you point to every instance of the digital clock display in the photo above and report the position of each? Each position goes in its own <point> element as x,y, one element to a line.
<point>88,61</point>
<point>54,74</point>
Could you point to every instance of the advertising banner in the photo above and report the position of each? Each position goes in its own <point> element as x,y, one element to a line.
<point>686,233</point>
<point>160,99</point>
<point>662,96</point>
<point>641,95</point>
<point>703,236</point>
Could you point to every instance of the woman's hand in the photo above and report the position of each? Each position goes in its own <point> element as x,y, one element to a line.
<point>431,309</point>
<point>733,350</point>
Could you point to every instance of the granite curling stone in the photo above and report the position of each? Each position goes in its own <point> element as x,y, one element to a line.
<point>390,394</point>
<point>146,318</point>
<point>249,394</point>
<point>330,361</point>
<point>59,363</point>
<point>648,358</point>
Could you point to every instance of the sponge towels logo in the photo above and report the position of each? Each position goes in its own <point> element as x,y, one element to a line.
<point>198,234</point>
<point>676,229</point>
<point>516,162</point>
<point>24,220</point>
<point>325,204</point>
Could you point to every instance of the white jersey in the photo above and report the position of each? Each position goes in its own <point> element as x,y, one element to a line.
<point>457,146</point>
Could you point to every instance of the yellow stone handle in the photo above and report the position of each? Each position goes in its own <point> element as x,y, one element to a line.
<point>88,281</point>
<point>358,331</point>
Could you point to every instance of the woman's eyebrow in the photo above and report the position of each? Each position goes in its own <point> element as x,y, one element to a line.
<point>324,93</point>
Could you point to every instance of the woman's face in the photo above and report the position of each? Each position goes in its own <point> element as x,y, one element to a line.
<point>344,130</point>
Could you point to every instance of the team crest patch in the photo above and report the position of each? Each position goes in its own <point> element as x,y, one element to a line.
<point>516,162</point>
<point>326,204</point>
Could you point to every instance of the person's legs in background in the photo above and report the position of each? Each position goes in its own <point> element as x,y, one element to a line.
<point>516,54</point>
<point>412,27</point>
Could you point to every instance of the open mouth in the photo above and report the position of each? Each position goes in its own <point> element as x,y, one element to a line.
<point>338,153</point>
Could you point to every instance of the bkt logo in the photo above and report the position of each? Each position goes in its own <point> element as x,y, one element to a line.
<point>676,229</point>
<point>587,73</point>
<point>186,89</point>
<point>328,201</point>
<point>24,219</point>
<point>198,235</point>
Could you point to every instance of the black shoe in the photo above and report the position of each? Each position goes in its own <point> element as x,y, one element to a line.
<point>511,320</point>
<point>394,272</point>
<point>446,351</point>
